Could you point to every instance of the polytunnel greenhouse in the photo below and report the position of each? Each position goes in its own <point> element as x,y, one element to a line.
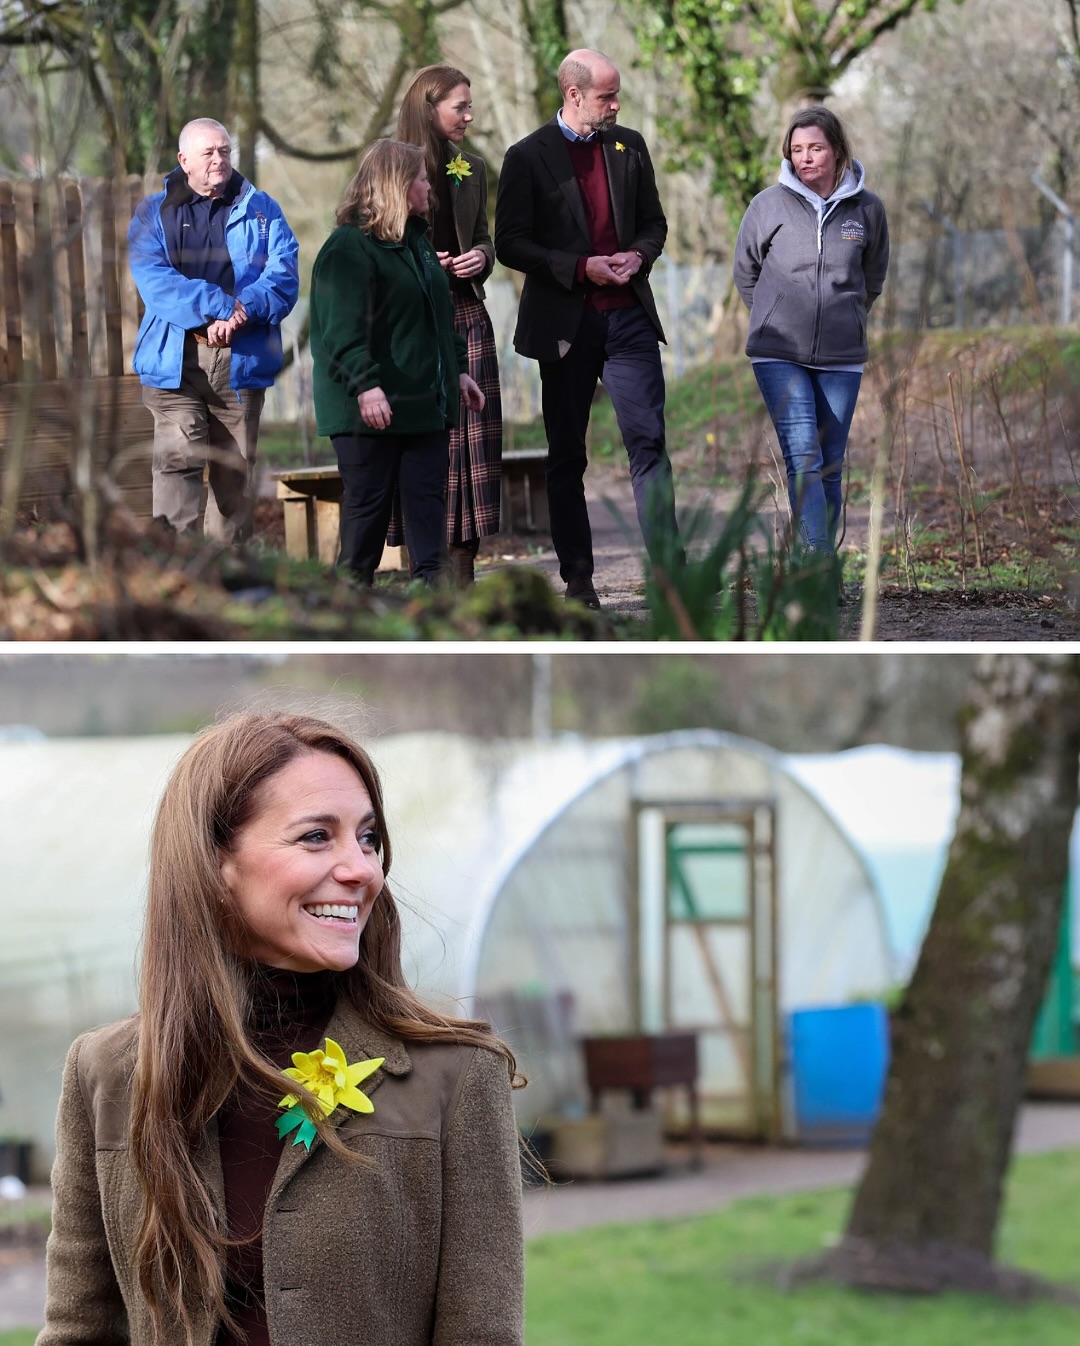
<point>567,889</point>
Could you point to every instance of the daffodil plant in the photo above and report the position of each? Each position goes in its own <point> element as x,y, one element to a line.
<point>458,168</point>
<point>332,1080</point>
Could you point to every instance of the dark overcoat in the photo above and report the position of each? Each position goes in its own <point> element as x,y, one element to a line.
<point>541,228</point>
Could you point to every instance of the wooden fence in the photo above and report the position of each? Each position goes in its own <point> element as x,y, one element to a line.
<point>69,313</point>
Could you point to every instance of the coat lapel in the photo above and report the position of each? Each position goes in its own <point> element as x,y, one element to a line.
<point>464,207</point>
<point>616,161</point>
<point>557,157</point>
<point>360,1042</point>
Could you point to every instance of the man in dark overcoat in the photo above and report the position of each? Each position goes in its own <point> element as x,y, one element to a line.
<point>578,212</point>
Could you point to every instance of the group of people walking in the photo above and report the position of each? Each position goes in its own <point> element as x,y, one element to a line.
<point>406,380</point>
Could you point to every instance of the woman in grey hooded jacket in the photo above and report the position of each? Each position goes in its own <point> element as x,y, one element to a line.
<point>810,259</point>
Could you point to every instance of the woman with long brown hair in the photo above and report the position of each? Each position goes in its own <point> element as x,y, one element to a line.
<point>207,1192</point>
<point>388,367</point>
<point>435,114</point>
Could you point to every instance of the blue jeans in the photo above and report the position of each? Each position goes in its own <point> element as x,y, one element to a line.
<point>811,410</point>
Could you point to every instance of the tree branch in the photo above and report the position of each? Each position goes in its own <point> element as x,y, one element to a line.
<point>309,156</point>
<point>842,58</point>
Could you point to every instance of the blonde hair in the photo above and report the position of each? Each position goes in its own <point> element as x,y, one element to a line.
<point>429,86</point>
<point>195,995</point>
<point>376,196</point>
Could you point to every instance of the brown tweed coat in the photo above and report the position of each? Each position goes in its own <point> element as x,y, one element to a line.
<point>421,1248</point>
<point>468,200</point>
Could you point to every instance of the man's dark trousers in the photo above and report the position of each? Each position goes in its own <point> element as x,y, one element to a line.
<point>618,347</point>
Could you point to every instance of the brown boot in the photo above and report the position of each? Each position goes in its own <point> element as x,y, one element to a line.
<point>461,565</point>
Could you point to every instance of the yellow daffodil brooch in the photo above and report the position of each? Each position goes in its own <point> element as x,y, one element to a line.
<point>458,168</point>
<point>619,145</point>
<point>333,1082</point>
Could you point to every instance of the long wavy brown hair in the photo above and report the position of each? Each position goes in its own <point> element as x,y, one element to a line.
<point>193,1042</point>
<point>376,196</point>
<point>429,86</point>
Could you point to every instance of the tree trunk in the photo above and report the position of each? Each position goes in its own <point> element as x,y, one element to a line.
<point>926,1212</point>
<point>244,98</point>
<point>549,41</point>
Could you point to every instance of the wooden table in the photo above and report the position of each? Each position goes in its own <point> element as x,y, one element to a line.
<point>641,1064</point>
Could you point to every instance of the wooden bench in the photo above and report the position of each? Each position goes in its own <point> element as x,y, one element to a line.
<point>524,491</point>
<point>311,498</point>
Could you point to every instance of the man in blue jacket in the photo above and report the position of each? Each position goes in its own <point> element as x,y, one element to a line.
<point>216,266</point>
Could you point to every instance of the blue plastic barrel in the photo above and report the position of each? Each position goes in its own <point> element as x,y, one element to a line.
<point>838,1059</point>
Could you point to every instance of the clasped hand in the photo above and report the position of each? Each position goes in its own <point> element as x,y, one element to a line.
<point>466,265</point>
<point>614,270</point>
<point>220,332</point>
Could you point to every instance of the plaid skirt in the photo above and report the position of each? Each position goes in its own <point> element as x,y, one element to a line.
<point>474,481</point>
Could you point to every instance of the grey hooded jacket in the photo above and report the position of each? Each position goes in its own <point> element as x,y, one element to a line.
<point>809,269</point>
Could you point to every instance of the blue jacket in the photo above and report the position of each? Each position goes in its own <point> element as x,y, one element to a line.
<point>264,256</point>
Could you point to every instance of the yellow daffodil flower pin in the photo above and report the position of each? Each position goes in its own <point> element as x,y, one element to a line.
<point>333,1082</point>
<point>458,168</point>
<point>619,145</point>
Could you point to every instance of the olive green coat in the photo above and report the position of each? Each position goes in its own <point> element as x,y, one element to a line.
<point>382,317</point>
<point>423,1247</point>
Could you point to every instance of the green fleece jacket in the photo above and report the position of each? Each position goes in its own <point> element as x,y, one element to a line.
<point>381,317</point>
<point>421,1246</point>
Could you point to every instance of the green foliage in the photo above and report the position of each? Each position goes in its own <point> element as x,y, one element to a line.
<point>549,41</point>
<point>678,694</point>
<point>723,71</point>
<point>149,65</point>
<point>734,59</point>
<point>743,585</point>
<point>700,1281</point>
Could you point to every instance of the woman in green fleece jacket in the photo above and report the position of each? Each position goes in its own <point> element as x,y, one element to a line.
<point>388,366</point>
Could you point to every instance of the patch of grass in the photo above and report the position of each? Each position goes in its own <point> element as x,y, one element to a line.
<point>698,1282</point>
<point>26,1215</point>
<point>19,1336</point>
<point>706,415</point>
<point>281,445</point>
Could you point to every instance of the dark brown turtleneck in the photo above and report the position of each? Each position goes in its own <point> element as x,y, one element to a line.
<point>290,1011</point>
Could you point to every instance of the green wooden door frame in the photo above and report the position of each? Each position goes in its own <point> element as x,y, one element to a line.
<point>1055,1029</point>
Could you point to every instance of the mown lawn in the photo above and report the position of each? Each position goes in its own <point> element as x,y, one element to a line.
<point>702,1282</point>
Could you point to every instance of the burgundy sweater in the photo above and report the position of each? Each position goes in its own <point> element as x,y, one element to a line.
<point>290,1012</point>
<point>587,158</point>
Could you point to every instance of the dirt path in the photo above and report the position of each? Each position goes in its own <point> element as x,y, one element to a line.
<point>732,1172</point>
<point>903,615</point>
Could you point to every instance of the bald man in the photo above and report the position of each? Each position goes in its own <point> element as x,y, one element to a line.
<point>578,212</point>
<point>216,265</point>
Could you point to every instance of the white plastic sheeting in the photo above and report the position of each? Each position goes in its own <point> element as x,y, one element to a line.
<point>517,865</point>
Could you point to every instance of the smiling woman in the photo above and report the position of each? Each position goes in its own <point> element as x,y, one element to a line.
<point>187,1207</point>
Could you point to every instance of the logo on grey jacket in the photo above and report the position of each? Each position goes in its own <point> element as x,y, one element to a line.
<point>853,231</point>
